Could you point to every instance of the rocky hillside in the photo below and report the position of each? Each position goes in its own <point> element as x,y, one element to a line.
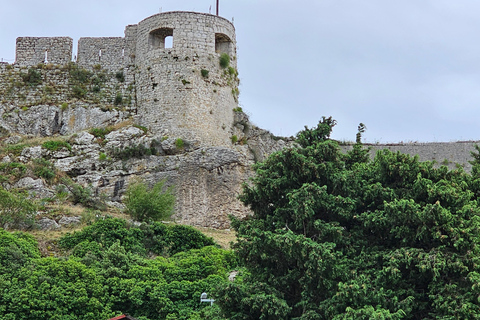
<point>88,139</point>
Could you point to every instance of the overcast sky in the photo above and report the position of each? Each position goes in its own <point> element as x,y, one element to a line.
<point>409,70</point>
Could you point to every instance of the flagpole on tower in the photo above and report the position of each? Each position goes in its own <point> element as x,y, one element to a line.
<point>217,6</point>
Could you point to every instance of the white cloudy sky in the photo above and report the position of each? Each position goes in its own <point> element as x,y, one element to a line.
<point>409,69</point>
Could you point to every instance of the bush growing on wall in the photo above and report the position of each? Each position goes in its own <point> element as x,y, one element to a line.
<point>224,60</point>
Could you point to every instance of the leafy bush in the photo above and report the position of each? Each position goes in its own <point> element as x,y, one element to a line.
<point>32,77</point>
<point>179,143</point>
<point>232,71</point>
<point>84,195</point>
<point>154,238</point>
<point>79,92</point>
<point>16,211</point>
<point>154,204</point>
<point>15,169</point>
<point>80,75</point>
<point>16,149</point>
<point>43,168</point>
<point>55,145</point>
<point>15,250</point>
<point>224,60</point>
<point>341,236</point>
<point>120,76</point>
<point>118,99</point>
<point>234,139</point>
<point>134,151</point>
<point>101,132</point>
<point>204,73</point>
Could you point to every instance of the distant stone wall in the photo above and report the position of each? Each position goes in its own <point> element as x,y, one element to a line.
<point>31,51</point>
<point>451,154</point>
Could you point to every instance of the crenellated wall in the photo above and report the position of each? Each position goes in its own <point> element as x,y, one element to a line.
<point>31,51</point>
<point>109,53</point>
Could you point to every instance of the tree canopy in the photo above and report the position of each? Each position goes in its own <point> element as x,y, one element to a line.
<point>337,235</point>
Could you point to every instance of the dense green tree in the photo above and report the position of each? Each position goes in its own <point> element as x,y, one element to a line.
<point>339,236</point>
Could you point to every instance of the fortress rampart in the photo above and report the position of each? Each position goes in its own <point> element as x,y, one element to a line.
<point>172,59</point>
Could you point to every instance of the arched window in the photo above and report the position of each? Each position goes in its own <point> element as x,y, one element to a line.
<point>161,38</point>
<point>223,44</point>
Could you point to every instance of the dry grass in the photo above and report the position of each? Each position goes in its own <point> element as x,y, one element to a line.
<point>222,237</point>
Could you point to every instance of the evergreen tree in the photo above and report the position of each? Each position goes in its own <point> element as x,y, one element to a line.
<point>339,236</point>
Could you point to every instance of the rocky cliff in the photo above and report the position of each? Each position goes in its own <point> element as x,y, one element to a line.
<point>89,137</point>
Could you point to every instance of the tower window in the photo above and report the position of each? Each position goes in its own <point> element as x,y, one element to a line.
<point>161,38</point>
<point>223,44</point>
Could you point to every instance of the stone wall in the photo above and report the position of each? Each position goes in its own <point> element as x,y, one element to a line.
<point>109,53</point>
<point>31,51</point>
<point>62,99</point>
<point>451,154</point>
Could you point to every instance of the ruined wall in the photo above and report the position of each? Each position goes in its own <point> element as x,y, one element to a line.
<point>31,51</point>
<point>45,100</point>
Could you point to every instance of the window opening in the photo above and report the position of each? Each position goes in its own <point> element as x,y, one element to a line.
<point>223,44</point>
<point>161,38</point>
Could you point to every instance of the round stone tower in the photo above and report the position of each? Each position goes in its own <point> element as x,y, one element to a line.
<point>183,91</point>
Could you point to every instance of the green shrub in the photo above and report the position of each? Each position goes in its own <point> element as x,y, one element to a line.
<point>79,92</point>
<point>80,75</point>
<point>179,143</point>
<point>43,168</point>
<point>102,156</point>
<point>232,71</point>
<point>234,139</point>
<point>145,204</point>
<point>118,99</point>
<point>32,77</point>
<point>16,211</point>
<point>16,149</point>
<point>100,132</point>
<point>16,249</point>
<point>84,195</point>
<point>64,106</point>
<point>134,151</point>
<point>204,73</point>
<point>153,238</point>
<point>15,169</point>
<point>54,145</point>
<point>224,60</point>
<point>120,76</point>
<point>237,109</point>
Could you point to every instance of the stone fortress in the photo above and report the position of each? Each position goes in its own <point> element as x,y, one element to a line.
<point>172,96</point>
<point>162,87</point>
